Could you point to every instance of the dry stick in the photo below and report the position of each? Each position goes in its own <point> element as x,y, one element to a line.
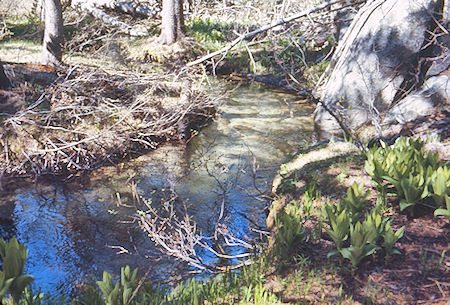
<point>251,57</point>
<point>264,29</point>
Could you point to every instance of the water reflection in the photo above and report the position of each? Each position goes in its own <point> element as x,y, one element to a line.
<point>73,231</point>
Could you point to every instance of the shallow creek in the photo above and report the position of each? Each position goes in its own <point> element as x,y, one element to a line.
<point>76,231</point>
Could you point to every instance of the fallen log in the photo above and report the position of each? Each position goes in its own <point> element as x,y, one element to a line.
<point>128,7</point>
<point>264,29</point>
<point>91,8</point>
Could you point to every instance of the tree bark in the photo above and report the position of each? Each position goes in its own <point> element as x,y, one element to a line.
<point>172,26</point>
<point>53,35</point>
<point>4,80</point>
<point>179,17</point>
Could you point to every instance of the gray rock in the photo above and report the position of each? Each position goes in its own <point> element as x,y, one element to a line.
<point>441,54</point>
<point>435,90</point>
<point>372,63</point>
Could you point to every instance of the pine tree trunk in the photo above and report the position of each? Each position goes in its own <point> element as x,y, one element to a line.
<point>172,27</point>
<point>53,36</point>
<point>179,18</point>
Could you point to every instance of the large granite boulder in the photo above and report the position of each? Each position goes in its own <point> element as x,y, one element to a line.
<point>384,56</point>
<point>421,103</point>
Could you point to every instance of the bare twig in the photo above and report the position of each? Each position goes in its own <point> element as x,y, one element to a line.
<point>92,117</point>
<point>262,30</point>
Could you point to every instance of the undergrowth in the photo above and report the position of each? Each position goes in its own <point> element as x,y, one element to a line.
<point>357,227</point>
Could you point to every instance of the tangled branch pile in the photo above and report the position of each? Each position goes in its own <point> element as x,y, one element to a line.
<point>91,117</point>
<point>175,232</point>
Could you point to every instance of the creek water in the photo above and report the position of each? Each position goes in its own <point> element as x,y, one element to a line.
<point>74,232</point>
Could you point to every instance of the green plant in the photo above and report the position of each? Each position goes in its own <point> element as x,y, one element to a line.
<point>29,298</point>
<point>154,295</point>
<point>414,173</point>
<point>209,32</point>
<point>119,293</point>
<point>4,285</point>
<point>360,246</point>
<point>14,256</point>
<point>444,212</point>
<point>290,231</point>
<point>375,163</point>
<point>110,290</point>
<point>190,292</point>
<point>390,238</point>
<point>414,188</point>
<point>356,200</point>
<point>262,296</point>
<point>375,222</point>
<point>440,183</point>
<point>339,225</point>
<point>307,201</point>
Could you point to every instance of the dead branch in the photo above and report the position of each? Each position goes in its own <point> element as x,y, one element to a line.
<point>4,31</point>
<point>128,7</point>
<point>264,29</point>
<point>171,227</point>
<point>92,117</point>
<point>177,235</point>
<point>114,21</point>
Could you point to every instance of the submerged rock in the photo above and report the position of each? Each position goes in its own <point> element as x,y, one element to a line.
<point>383,58</point>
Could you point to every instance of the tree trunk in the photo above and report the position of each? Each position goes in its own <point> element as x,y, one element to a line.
<point>53,36</point>
<point>172,27</point>
<point>179,17</point>
<point>4,80</point>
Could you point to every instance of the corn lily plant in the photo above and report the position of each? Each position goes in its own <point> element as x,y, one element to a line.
<point>360,246</point>
<point>14,256</point>
<point>440,182</point>
<point>339,226</point>
<point>119,293</point>
<point>356,200</point>
<point>4,285</point>
<point>390,238</point>
<point>444,212</point>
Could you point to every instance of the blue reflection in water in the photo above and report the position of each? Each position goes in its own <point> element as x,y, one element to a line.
<point>42,226</point>
<point>74,232</point>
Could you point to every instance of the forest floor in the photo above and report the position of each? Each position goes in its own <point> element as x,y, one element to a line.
<point>419,275</point>
<point>104,105</point>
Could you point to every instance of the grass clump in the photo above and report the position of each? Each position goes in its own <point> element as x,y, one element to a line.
<point>213,34</point>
